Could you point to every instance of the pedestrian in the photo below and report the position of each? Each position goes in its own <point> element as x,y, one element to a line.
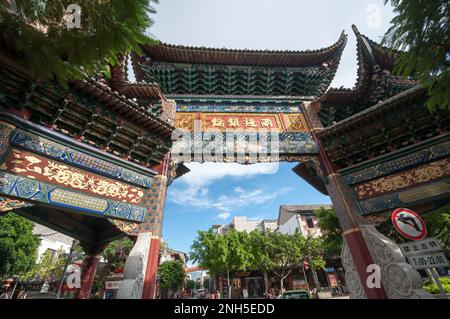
<point>217,294</point>
<point>212,295</point>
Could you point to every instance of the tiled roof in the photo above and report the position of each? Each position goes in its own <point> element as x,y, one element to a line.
<point>287,211</point>
<point>202,55</point>
<point>377,110</point>
<point>310,177</point>
<point>120,83</point>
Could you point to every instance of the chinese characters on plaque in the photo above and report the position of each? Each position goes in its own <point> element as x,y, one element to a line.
<point>225,122</point>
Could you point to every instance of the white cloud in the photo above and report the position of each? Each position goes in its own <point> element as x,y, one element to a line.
<point>192,189</point>
<point>223,216</point>
<point>238,190</point>
<point>204,174</point>
<point>194,192</point>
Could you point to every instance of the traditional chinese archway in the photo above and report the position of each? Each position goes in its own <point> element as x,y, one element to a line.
<point>92,160</point>
<point>82,160</point>
<point>352,144</point>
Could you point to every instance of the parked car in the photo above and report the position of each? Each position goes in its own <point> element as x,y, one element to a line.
<point>295,294</point>
<point>201,293</point>
<point>40,295</point>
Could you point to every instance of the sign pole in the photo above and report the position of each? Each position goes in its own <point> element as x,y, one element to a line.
<point>435,275</point>
<point>69,259</point>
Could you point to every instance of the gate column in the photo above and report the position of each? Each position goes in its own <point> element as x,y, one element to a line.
<point>90,263</point>
<point>346,210</point>
<point>139,281</point>
<point>363,244</point>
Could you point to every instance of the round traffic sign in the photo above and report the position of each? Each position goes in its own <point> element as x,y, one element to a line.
<point>409,224</point>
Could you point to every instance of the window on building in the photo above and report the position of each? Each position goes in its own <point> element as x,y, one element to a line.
<point>310,222</point>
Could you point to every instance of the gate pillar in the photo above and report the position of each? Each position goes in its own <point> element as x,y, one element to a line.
<point>90,263</point>
<point>364,245</point>
<point>139,281</point>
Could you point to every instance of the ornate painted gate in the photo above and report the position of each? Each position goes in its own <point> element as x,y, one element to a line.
<point>351,143</point>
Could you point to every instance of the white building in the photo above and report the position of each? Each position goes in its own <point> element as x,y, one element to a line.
<point>242,223</point>
<point>51,240</point>
<point>301,217</point>
<point>171,254</point>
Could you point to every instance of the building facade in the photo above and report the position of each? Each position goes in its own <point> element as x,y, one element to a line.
<point>300,218</point>
<point>242,223</point>
<point>51,240</point>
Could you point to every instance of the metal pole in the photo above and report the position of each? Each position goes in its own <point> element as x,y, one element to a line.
<point>69,258</point>
<point>435,275</point>
<point>304,275</point>
<point>14,289</point>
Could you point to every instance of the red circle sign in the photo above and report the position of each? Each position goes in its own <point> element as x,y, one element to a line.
<point>409,224</point>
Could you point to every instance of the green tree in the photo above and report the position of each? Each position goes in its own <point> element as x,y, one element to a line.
<point>438,225</point>
<point>7,256</point>
<point>312,253</point>
<point>51,49</point>
<point>210,251</point>
<point>285,252</point>
<point>222,254</point>
<point>259,247</point>
<point>331,231</point>
<point>206,283</point>
<point>239,257</point>
<point>421,29</point>
<point>171,275</point>
<point>50,267</point>
<point>190,285</point>
<point>18,245</point>
<point>115,255</point>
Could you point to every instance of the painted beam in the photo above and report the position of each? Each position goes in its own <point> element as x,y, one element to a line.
<point>34,191</point>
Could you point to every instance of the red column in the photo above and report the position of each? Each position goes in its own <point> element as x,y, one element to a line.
<point>90,264</point>
<point>149,291</point>
<point>153,224</point>
<point>345,204</point>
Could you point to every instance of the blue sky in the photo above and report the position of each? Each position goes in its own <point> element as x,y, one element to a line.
<point>214,193</point>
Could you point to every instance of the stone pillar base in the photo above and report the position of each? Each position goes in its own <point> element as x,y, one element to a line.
<point>133,277</point>
<point>399,279</point>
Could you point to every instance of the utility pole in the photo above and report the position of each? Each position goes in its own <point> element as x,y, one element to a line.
<point>68,260</point>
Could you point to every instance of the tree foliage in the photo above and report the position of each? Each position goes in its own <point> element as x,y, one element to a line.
<point>242,251</point>
<point>221,254</point>
<point>18,245</point>
<point>210,251</point>
<point>431,287</point>
<point>52,50</point>
<point>190,285</point>
<point>171,275</point>
<point>49,267</point>
<point>331,231</point>
<point>438,225</point>
<point>421,29</point>
<point>116,253</point>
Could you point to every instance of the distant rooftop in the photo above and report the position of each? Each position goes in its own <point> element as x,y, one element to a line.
<point>286,211</point>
